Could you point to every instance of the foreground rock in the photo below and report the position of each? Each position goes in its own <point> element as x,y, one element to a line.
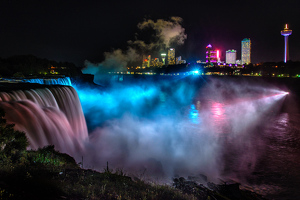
<point>201,189</point>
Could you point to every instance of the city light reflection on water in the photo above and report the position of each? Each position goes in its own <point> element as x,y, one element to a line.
<point>194,115</point>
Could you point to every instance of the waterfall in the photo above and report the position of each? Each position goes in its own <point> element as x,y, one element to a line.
<point>50,81</point>
<point>51,115</point>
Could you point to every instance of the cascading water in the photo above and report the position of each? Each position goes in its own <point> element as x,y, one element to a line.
<point>50,81</point>
<point>50,115</point>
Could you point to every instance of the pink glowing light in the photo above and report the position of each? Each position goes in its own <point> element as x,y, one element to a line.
<point>217,109</point>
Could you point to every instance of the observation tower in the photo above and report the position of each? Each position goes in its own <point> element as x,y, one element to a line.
<point>286,32</point>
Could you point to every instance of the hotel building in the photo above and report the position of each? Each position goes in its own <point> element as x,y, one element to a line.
<point>246,51</point>
<point>231,56</point>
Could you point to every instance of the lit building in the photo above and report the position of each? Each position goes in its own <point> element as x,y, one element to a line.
<point>246,51</point>
<point>146,61</point>
<point>178,60</point>
<point>163,58</point>
<point>155,63</point>
<point>182,62</point>
<point>286,32</point>
<point>171,56</point>
<point>212,56</point>
<point>231,56</point>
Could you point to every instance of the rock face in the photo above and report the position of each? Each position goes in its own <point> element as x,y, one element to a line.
<point>195,185</point>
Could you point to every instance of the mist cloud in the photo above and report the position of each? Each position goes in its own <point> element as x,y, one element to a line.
<point>116,60</point>
<point>179,127</point>
<point>144,127</point>
<point>168,32</point>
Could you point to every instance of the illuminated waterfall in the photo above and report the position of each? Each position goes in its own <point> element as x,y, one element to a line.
<point>50,115</point>
<point>50,81</point>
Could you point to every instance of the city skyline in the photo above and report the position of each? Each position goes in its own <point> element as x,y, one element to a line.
<point>212,55</point>
<point>78,31</point>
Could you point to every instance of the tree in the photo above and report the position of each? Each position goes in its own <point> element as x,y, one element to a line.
<point>12,143</point>
<point>18,75</point>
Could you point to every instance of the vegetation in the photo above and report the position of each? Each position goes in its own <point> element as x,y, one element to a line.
<point>49,174</point>
<point>12,145</point>
<point>29,65</point>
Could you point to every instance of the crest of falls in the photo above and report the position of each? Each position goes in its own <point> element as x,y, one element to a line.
<point>49,115</point>
<point>50,81</point>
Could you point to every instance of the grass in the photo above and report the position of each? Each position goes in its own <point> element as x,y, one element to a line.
<point>48,174</point>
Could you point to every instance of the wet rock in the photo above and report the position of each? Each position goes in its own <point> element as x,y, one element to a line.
<point>200,178</point>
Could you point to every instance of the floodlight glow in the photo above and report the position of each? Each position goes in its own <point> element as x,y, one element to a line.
<point>195,72</point>
<point>278,93</point>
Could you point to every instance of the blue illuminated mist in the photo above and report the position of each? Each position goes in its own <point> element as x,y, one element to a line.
<point>176,126</point>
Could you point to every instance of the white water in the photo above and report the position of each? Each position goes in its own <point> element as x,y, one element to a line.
<point>48,116</point>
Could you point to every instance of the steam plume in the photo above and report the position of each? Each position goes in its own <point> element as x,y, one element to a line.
<point>167,32</point>
<point>116,60</point>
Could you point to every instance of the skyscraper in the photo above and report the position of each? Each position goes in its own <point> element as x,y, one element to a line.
<point>155,62</point>
<point>212,56</point>
<point>231,56</point>
<point>246,51</point>
<point>171,56</point>
<point>146,61</point>
<point>163,58</point>
<point>286,32</point>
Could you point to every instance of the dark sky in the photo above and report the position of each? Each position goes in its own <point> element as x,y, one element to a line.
<point>75,31</point>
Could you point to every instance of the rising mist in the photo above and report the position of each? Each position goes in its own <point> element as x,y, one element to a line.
<point>189,126</point>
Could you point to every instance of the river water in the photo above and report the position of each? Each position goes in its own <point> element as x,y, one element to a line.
<point>276,172</point>
<point>259,135</point>
<point>265,157</point>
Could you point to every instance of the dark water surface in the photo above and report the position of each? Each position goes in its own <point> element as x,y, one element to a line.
<point>265,159</point>
<point>261,149</point>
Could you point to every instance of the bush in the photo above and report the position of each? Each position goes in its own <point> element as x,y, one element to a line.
<point>12,143</point>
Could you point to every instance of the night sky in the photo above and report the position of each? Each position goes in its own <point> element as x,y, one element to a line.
<point>76,31</point>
